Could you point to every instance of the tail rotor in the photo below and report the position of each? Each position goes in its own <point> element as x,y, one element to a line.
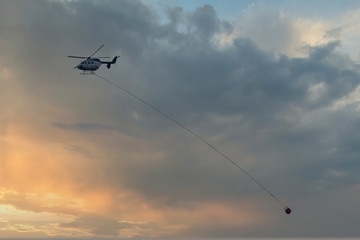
<point>108,65</point>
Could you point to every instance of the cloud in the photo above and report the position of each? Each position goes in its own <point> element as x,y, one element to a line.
<point>49,203</point>
<point>334,33</point>
<point>287,118</point>
<point>98,225</point>
<point>88,127</point>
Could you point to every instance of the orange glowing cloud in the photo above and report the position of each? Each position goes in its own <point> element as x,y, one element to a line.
<point>60,179</point>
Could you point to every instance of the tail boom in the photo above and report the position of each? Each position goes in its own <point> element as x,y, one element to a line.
<point>108,64</point>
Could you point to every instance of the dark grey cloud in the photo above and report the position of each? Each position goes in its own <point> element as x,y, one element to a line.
<point>334,33</point>
<point>273,114</point>
<point>90,127</point>
<point>204,22</point>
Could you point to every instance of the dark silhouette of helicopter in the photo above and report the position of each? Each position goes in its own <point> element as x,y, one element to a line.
<point>90,64</point>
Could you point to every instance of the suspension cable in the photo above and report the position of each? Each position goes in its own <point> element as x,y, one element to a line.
<point>195,135</point>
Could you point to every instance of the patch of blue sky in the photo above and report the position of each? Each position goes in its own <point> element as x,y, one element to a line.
<point>230,9</point>
<point>317,10</point>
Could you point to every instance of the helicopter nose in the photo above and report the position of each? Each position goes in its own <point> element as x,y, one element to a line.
<point>79,67</point>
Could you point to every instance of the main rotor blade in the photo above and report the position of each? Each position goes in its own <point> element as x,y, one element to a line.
<point>96,51</point>
<point>76,57</point>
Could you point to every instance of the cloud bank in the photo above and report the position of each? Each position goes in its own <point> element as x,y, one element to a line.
<point>101,164</point>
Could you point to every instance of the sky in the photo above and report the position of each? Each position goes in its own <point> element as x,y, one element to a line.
<point>272,84</point>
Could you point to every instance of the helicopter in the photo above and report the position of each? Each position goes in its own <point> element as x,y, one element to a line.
<point>90,64</point>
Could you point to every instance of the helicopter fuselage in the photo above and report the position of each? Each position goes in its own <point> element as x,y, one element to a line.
<point>91,64</point>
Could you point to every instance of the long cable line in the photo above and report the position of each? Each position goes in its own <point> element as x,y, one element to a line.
<point>287,210</point>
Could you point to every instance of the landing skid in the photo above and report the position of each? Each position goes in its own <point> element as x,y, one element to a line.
<point>87,73</point>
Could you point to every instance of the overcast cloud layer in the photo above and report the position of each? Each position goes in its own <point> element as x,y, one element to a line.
<point>79,158</point>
